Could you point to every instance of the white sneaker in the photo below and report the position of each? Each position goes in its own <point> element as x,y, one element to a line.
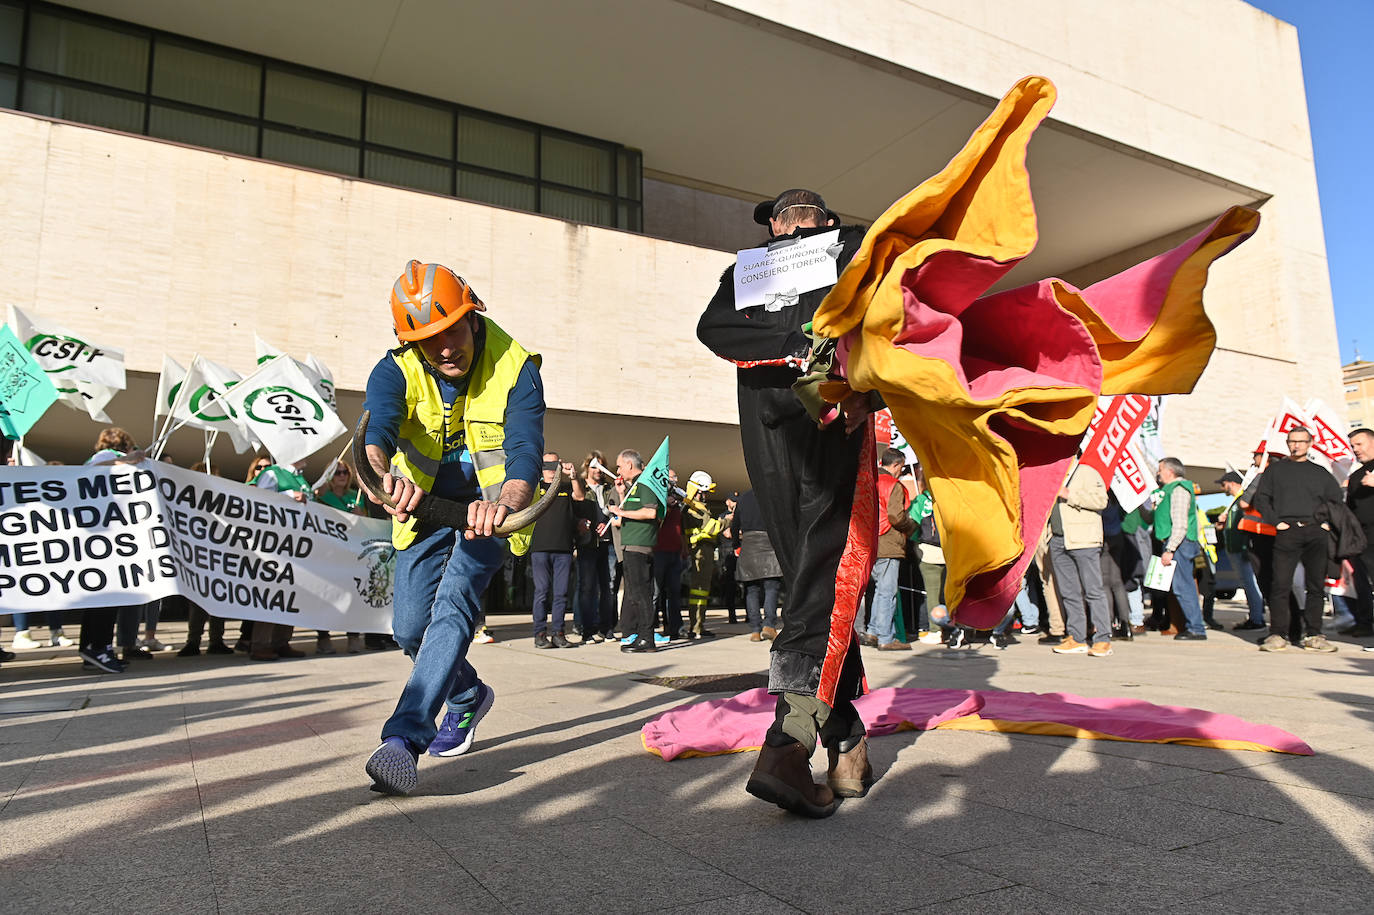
<point>61,641</point>
<point>152,644</point>
<point>483,637</point>
<point>22,640</point>
<point>931,638</point>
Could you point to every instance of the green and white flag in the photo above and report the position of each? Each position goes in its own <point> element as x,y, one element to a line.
<point>655,474</point>
<point>197,399</point>
<point>168,386</point>
<point>87,376</point>
<point>280,407</point>
<point>319,374</point>
<point>26,392</point>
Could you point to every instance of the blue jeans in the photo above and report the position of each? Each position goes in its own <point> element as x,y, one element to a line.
<point>1185,589</point>
<point>594,601</point>
<point>1253,597</point>
<point>1030,612</point>
<point>761,603</point>
<point>440,579</point>
<point>882,615</point>
<point>551,571</point>
<point>1136,599</point>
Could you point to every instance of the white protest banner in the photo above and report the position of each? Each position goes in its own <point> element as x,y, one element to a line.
<point>779,273</point>
<point>279,406</point>
<point>87,376</point>
<point>101,536</point>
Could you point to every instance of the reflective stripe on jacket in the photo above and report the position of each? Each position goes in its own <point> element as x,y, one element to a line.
<point>481,412</point>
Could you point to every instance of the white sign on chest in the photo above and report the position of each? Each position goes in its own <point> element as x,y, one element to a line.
<point>778,274</point>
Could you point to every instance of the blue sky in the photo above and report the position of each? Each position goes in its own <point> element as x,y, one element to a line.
<point>1335,37</point>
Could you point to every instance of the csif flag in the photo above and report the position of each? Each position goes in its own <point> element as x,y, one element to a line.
<point>280,406</point>
<point>319,374</point>
<point>87,376</point>
<point>198,399</point>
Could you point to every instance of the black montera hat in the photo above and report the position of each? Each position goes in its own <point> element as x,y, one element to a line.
<point>1231,476</point>
<point>796,197</point>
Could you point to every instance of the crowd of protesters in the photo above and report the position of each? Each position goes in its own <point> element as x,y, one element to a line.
<point>610,563</point>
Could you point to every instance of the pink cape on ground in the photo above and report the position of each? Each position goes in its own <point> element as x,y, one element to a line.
<point>737,724</point>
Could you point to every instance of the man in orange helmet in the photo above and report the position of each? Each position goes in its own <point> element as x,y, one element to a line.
<point>456,410</point>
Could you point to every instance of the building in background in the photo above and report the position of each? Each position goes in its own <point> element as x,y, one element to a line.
<point>179,176</point>
<point>1359,393</point>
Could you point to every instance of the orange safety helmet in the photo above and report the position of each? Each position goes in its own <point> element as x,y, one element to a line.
<point>429,298</point>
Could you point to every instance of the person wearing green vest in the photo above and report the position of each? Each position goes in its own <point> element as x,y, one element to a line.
<point>638,515</point>
<point>339,491</point>
<point>456,410</point>
<point>1175,527</point>
<point>271,641</point>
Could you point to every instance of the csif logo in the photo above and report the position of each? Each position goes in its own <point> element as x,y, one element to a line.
<point>279,405</point>
<point>205,402</point>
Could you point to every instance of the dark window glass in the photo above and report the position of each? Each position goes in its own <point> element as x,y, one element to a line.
<point>89,52</point>
<point>8,84</point>
<point>11,33</point>
<point>494,144</point>
<point>408,125</point>
<point>577,207</point>
<point>203,130</point>
<point>629,182</point>
<point>504,192</point>
<point>578,164</point>
<point>82,105</point>
<point>407,172</point>
<point>628,216</point>
<point>281,146</point>
<point>210,80</point>
<point>316,104</point>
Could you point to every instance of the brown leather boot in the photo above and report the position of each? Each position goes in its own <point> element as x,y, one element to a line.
<point>850,773</point>
<point>782,776</point>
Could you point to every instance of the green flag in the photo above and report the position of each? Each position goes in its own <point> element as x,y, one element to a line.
<point>655,474</point>
<point>25,389</point>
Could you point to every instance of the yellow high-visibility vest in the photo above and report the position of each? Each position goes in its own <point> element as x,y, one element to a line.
<point>481,413</point>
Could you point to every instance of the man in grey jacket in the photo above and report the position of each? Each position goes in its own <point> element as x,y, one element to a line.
<point>1075,551</point>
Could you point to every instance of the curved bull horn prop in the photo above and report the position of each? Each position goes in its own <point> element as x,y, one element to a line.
<point>445,512</point>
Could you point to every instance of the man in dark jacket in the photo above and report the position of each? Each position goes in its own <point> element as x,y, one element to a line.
<point>1288,496</point>
<point>1359,495</point>
<point>804,477</point>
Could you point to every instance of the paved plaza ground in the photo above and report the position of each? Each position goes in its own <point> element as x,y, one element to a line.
<point>215,784</point>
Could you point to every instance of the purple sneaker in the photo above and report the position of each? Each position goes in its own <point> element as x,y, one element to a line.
<point>456,731</point>
<point>392,767</point>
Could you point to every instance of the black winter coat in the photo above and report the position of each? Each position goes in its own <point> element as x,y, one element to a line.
<point>1345,539</point>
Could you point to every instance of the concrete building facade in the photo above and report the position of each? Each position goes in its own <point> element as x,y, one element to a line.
<point>177,177</point>
<point>1359,393</point>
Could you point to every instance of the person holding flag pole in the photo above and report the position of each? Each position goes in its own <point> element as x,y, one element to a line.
<point>638,516</point>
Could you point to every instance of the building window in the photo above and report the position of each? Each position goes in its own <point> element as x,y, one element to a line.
<point>68,64</point>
